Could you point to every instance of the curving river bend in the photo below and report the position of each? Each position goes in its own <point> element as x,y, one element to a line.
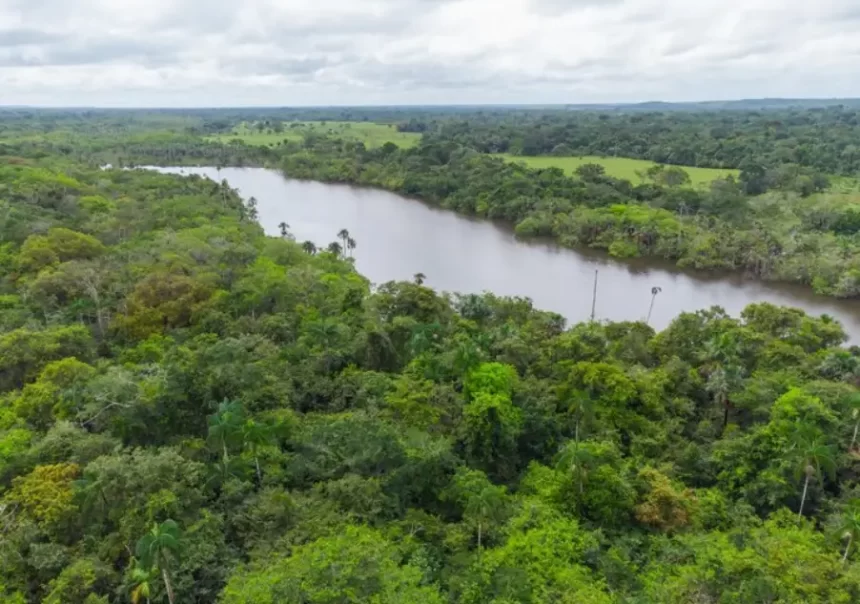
<point>398,237</point>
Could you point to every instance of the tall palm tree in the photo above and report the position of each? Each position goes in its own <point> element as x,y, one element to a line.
<point>225,191</point>
<point>719,385</point>
<point>309,247</point>
<point>285,229</point>
<point>654,291</point>
<point>581,407</point>
<point>343,235</point>
<point>350,245</point>
<point>578,461</point>
<point>251,205</point>
<point>849,527</point>
<point>225,427</point>
<point>335,248</point>
<point>255,435</point>
<point>159,549</point>
<point>419,278</point>
<point>854,403</point>
<point>813,456</point>
<point>484,506</point>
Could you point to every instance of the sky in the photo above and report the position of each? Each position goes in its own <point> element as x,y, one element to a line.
<point>189,53</point>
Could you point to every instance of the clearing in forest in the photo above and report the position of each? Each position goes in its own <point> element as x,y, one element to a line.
<point>618,167</point>
<point>369,133</point>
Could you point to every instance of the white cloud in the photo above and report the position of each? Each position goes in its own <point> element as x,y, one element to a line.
<point>295,52</point>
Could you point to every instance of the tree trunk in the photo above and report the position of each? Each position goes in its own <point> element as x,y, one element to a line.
<point>803,497</point>
<point>259,473</point>
<point>854,438</point>
<point>168,586</point>
<point>650,310</point>
<point>479,537</point>
<point>847,548</point>
<point>226,455</point>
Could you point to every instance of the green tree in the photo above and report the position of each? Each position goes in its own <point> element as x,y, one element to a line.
<point>159,549</point>
<point>256,434</point>
<point>854,405</point>
<point>225,427</point>
<point>356,564</point>
<point>813,457</point>
<point>142,581</point>
<point>483,503</point>
<point>848,527</point>
<point>577,461</point>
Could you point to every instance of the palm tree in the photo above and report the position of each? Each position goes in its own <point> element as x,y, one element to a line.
<point>285,229</point>
<point>343,235</point>
<point>221,471</point>
<point>854,403</point>
<point>484,506</point>
<point>578,461</point>
<point>419,278</point>
<point>254,435</point>
<point>719,386</point>
<point>335,248</point>
<point>814,457</point>
<point>252,208</point>
<point>225,426</point>
<point>581,407</point>
<point>350,245</point>
<point>849,526</point>
<point>158,550</point>
<point>654,291</point>
<point>309,247</point>
<point>142,579</point>
<point>225,191</point>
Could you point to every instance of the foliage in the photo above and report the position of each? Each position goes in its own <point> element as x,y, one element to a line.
<point>191,411</point>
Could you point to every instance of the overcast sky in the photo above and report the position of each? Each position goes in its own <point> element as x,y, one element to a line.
<point>340,52</point>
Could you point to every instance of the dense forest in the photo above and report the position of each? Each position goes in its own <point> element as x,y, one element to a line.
<point>822,139</point>
<point>193,412</point>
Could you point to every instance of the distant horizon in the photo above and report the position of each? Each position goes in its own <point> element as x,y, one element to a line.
<point>418,105</point>
<point>274,53</point>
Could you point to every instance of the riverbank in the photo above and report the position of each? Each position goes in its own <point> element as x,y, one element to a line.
<point>765,239</point>
<point>398,237</point>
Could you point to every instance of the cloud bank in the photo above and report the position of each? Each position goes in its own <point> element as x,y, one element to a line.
<point>340,52</point>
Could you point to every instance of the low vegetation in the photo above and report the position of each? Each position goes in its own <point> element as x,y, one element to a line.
<point>633,170</point>
<point>276,133</point>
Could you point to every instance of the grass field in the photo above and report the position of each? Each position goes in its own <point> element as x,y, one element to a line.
<point>617,167</point>
<point>371,134</point>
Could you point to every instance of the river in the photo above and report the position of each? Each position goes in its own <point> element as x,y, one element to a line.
<point>398,237</point>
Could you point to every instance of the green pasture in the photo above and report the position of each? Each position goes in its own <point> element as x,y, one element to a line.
<point>369,133</point>
<point>617,167</point>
